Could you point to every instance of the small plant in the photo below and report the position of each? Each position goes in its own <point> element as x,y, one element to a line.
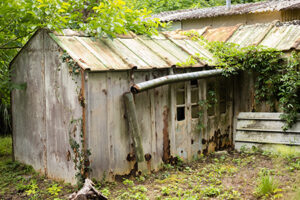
<point>128,182</point>
<point>140,178</point>
<point>164,175</point>
<point>105,192</point>
<point>294,165</point>
<point>267,186</point>
<point>165,191</point>
<point>211,191</point>
<point>168,166</point>
<point>230,195</point>
<point>32,190</point>
<point>54,190</point>
<point>138,193</point>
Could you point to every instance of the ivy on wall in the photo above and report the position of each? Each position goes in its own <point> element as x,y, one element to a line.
<point>278,74</point>
<point>81,154</point>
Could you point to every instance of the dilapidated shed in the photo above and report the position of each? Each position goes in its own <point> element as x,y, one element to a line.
<point>78,86</point>
<point>248,13</point>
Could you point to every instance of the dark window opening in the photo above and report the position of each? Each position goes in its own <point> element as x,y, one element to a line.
<point>194,83</point>
<point>180,113</point>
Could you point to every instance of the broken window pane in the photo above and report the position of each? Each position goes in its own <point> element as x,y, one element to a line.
<point>180,113</point>
<point>194,83</point>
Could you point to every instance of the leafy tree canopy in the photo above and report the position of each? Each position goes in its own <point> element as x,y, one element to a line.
<point>19,19</point>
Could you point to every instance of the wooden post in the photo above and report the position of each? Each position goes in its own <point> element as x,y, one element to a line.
<point>134,126</point>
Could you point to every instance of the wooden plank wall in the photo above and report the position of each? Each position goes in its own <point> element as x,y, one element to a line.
<point>262,129</point>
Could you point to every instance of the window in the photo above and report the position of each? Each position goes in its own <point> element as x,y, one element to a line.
<point>195,99</point>
<point>180,103</point>
<point>180,113</point>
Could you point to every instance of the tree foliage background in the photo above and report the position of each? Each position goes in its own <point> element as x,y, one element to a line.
<point>19,19</point>
<point>157,6</point>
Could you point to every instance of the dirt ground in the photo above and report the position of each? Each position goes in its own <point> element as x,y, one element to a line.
<point>227,175</point>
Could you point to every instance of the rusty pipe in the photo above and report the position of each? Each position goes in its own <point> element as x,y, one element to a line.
<point>140,87</point>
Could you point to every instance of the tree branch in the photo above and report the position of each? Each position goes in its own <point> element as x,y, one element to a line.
<point>3,45</point>
<point>16,47</point>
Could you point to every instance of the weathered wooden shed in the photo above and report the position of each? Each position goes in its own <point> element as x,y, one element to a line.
<point>220,16</point>
<point>76,86</point>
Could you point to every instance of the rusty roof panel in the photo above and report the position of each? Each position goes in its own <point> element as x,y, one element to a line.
<point>221,34</point>
<point>250,34</point>
<point>282,37</point>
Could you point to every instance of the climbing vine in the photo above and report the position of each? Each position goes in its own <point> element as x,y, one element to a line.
<point>205,105</point>
<point>74,69</point>
<point>277,75</point>
<point>81,156</point>
<point>80,153</point>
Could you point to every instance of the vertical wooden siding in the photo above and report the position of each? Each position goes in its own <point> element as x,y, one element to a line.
<point>108,135</point>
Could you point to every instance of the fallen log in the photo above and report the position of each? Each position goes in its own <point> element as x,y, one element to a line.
<point>88,191</point>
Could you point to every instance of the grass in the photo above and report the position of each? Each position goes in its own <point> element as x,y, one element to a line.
<point>267,186</point>
<point>19,181</point>
<point>252,174</point>
<point>5,146</point>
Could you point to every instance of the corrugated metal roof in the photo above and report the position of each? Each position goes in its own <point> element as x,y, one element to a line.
<point>282,37</point>
<point>170,48</point>
<point>250,35</point>
<point>221,34</point>
<point>139,52</point>
<point>259,7</point>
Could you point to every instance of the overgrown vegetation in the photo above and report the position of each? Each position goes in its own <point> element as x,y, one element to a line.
<point>19,181</point>
<point>19,19</point>
<point>251,174</point>
<point>80,154</point>
<point>277,75</point>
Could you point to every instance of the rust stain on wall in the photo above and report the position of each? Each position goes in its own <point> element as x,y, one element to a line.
<point>166,138</point>
<point>218,142</point>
